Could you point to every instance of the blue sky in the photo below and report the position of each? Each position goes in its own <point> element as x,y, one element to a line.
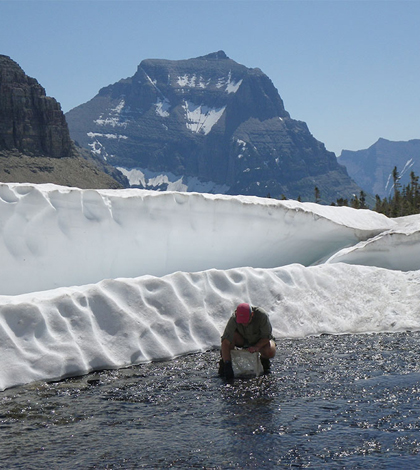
<point>349,69</point>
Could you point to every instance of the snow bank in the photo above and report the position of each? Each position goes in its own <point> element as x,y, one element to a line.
<point>54,236</point>
<point>199,245</point>
<point>398,248</point>
<point>115,323</point>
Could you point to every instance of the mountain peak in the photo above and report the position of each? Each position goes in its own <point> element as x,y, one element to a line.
<point>219,55</point>
<point>207,119</point>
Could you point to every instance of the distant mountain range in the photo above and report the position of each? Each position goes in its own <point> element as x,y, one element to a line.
<point>372,168</point>
<point>207,124</point>
<point>35,144</point>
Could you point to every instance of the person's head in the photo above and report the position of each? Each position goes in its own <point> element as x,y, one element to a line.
<point>243,313</point>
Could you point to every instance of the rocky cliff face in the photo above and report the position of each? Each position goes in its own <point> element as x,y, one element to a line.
<point>207,124</point>
<point>30,121</point>
<point>35,144</point>
<point>372,168</point>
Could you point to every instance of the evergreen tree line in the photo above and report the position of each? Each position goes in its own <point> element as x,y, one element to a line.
<point>405,200</point>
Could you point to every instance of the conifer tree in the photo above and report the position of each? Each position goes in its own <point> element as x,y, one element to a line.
<point>317,195</point>
<point>405,201</point>
<point>362,200</point>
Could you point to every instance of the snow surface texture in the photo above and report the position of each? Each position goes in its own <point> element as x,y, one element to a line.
<point>210,253</point>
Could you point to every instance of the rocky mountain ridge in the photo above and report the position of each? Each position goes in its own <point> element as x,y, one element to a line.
<point>372,168</point>
<point>35,144</point>
<point>209,123</point>
<point>30,121</point>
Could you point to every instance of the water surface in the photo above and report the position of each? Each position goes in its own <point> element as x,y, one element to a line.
<point>330,402</point>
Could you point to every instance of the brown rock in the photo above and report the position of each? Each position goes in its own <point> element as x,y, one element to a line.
<point>35,144</point>
<point>30,121</point>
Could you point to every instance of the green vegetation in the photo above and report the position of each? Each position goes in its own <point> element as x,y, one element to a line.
<point>404,200</point>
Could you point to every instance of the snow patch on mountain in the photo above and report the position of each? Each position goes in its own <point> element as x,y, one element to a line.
<point>229,84</point>
<point>114,117</point>
<point>107,136</point>
<point>119,107</point>
<point>110,121</point>
<point>191,81</point>
<point>201,118</point>
<point>407,167</point>
<point>162,107</point>
<point>187,81</point>
<point>242,145</point>
<point>96,147</point>
<point>168,181</point>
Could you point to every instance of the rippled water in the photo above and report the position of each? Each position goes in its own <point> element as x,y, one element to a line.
<point>330,402</point>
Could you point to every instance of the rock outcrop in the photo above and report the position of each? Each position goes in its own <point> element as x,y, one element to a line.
<point>30,121</point>
<point>207,124</point>
<point>35,144</point>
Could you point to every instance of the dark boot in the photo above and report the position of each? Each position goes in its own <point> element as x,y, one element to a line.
<point>228,370</point>
<point>221,368</point>
<point>266,364</point>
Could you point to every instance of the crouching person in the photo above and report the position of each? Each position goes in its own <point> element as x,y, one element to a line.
<point>249,328</point>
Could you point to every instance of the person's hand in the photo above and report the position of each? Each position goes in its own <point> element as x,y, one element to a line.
<point>253,349</point>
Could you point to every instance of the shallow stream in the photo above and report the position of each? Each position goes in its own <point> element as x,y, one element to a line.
<point>348,401</point>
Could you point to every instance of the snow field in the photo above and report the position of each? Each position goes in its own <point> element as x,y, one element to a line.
<point>105,279</point>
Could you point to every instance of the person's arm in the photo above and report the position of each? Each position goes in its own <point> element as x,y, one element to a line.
<point>229,330</point>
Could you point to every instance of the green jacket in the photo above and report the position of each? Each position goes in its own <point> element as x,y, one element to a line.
<point>259,327</point>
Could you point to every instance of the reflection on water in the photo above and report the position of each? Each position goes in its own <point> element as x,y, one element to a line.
<point>330,402</point>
